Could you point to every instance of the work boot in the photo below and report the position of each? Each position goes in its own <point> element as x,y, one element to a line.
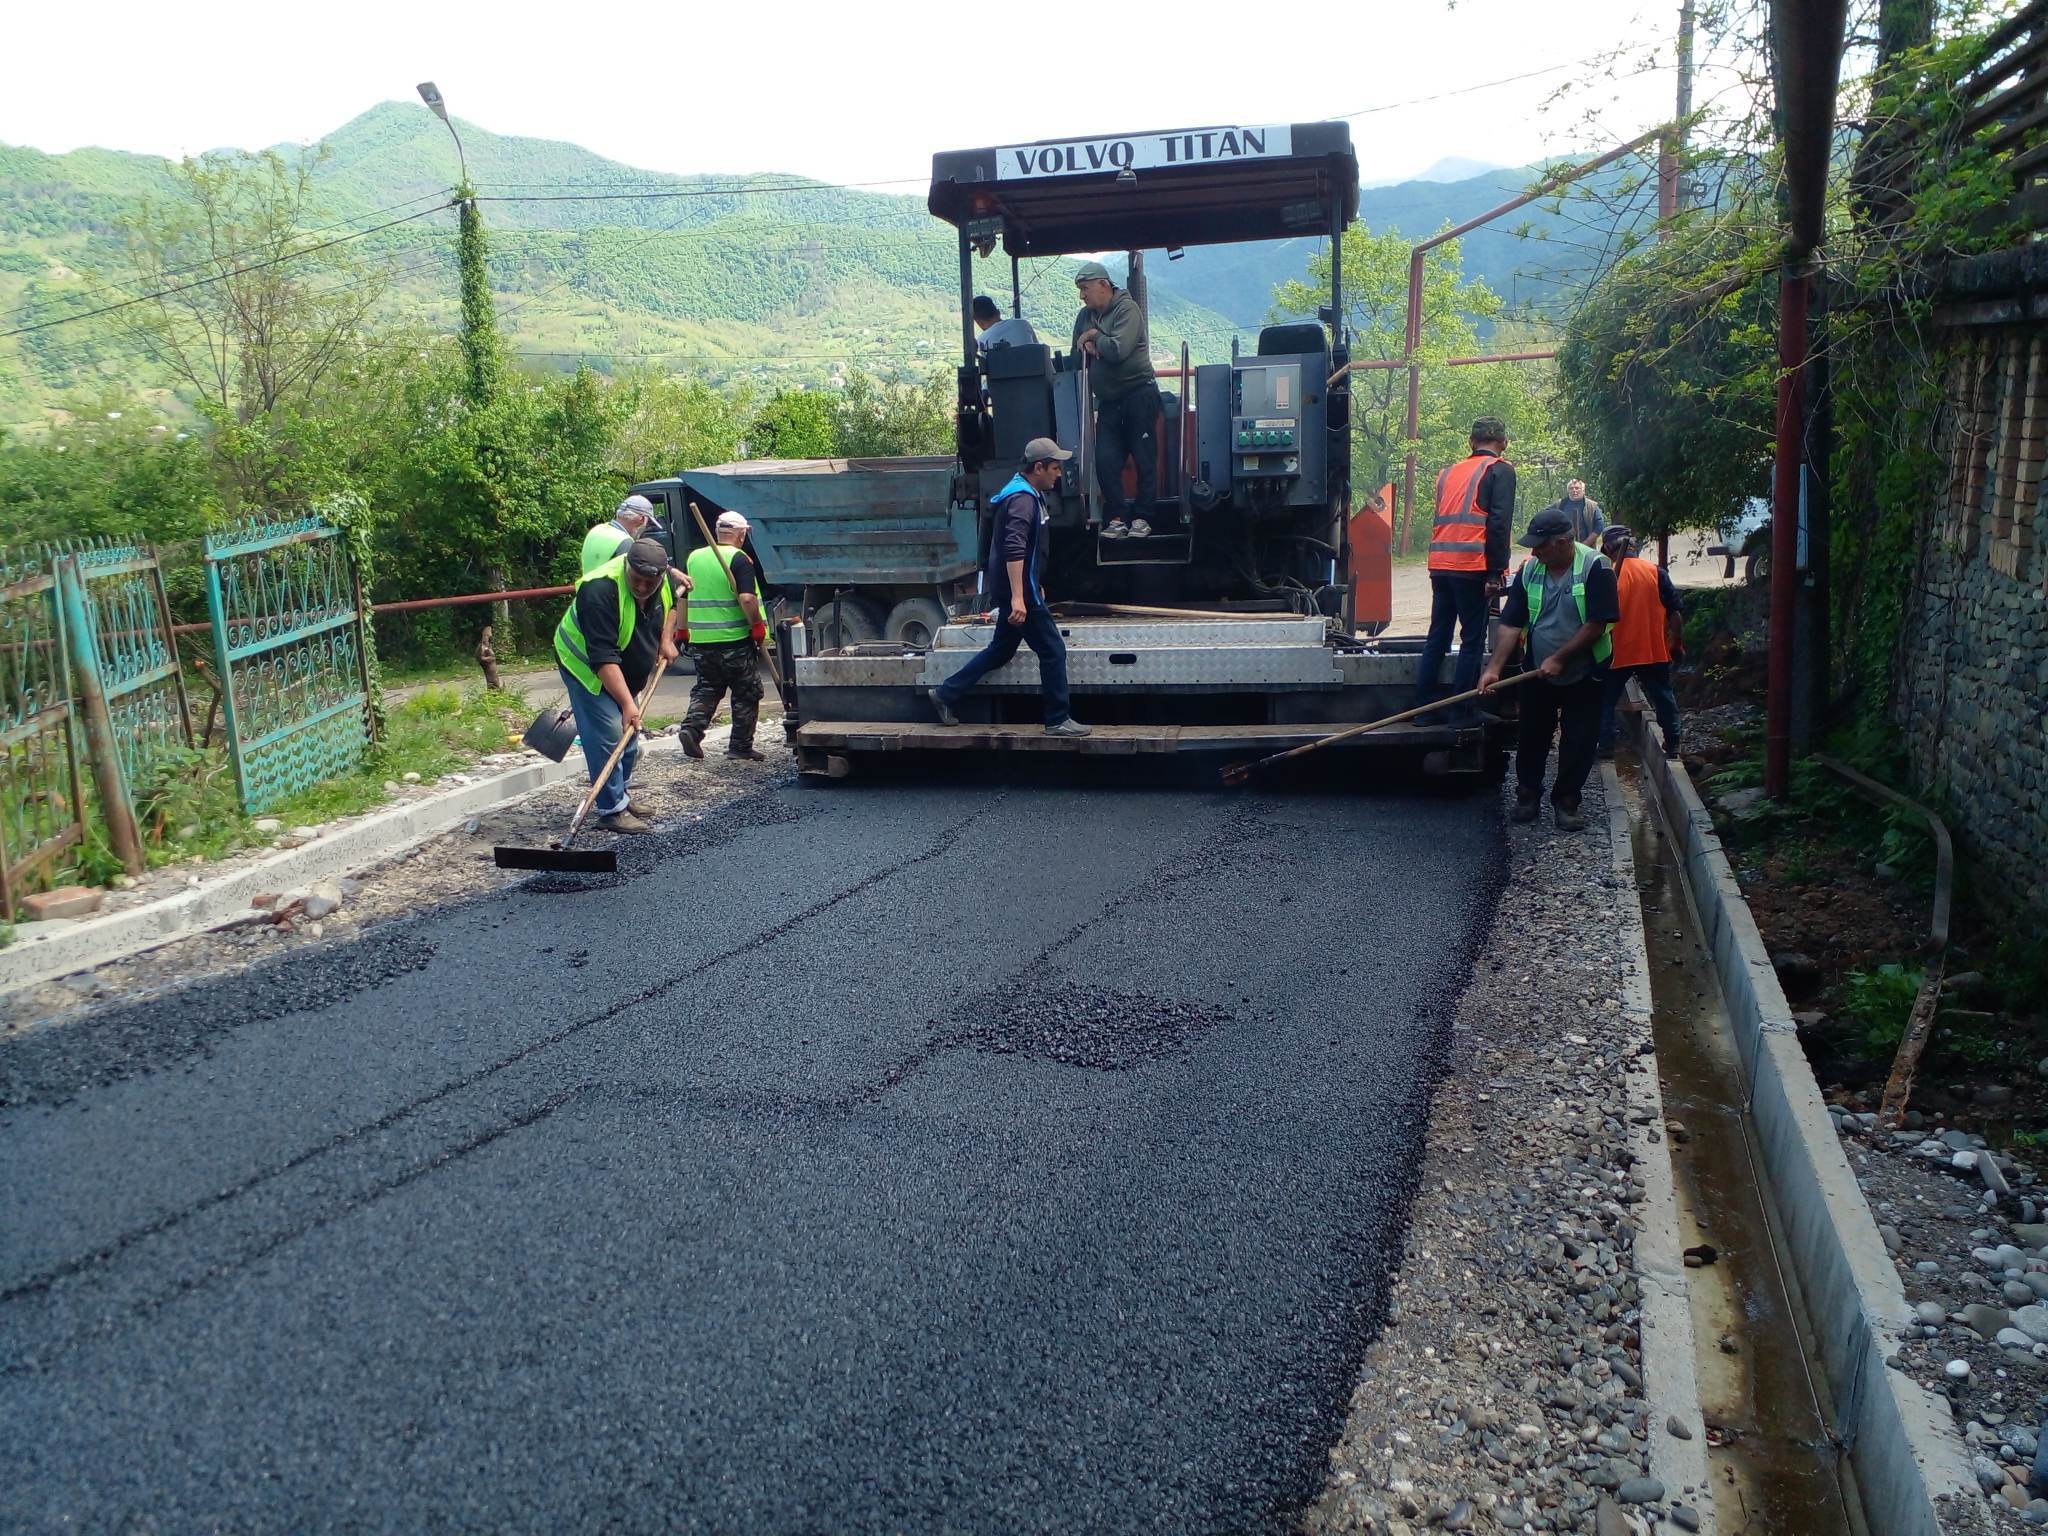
<point>692,747</point>
<point>748,755</point>
<point>1069,727</point>
<point>946,716</point>
<point>623,821</point>
<point>1525,809</point>
<point>1568,817</point>
<point>637,807</point>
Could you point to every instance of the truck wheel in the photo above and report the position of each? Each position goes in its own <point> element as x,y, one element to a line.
<point>914,622</point>
<point>860,623</point>
<point>1756,567</point>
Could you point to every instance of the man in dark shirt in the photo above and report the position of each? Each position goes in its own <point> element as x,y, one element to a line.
<point>607,645</point>
<point>1016,554</point>
<point>1564,598</point>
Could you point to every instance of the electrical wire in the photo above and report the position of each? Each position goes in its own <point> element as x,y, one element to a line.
<point>219,277</point>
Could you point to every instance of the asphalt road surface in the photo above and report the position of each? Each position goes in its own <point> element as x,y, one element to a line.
<point>914,1157</point>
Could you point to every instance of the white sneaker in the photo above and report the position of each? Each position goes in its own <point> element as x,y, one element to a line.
<point>1115,529</point>
<point>1140,529</point>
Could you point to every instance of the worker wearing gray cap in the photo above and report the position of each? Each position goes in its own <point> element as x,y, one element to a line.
<point>1110,333</point>
<point>1012,584</point>
<point>608,644</point>
<point>633,519</point>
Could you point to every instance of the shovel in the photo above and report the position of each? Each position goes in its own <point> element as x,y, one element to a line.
<point>561,858</point>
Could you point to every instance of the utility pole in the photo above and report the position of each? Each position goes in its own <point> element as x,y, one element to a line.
<point>1682,190</point>
<point>483,366</point>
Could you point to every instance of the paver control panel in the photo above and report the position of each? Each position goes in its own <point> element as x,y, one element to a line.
<point>1265,428</point>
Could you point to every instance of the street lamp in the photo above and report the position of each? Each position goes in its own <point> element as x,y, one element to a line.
<point>431,95</point>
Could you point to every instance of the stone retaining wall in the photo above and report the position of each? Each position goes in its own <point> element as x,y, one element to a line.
<point>1971,696</point>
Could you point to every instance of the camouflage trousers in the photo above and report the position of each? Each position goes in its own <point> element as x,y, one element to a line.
<point>735,666</point>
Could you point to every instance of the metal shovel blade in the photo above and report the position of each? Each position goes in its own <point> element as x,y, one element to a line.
<point>573,861</point>
<point>552,733</point>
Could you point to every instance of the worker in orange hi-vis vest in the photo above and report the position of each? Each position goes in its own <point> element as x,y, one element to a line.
<point>1645,641</point>
<point>1468,556</point>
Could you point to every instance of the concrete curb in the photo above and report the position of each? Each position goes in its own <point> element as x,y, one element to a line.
<point>80,946</point>
<point>1670,1380</point>
<point>1903,1456</point>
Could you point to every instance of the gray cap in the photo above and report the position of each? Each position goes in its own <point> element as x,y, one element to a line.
<point>1093,270</point>
<point>647,557</point>
<point>1041,448</point>
<point>1615,531</point>
<point>1546,525</point>
<point>641,505</point>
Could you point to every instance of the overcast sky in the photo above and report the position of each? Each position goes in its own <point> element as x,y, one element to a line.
<point>841,91</point>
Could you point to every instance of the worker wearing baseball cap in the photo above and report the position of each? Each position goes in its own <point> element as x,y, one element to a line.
<point>1110,334</point>
<point>607,645</point>
<point>724,622</point>
<point>1564,599</point>
<point>634,519</point>
<point>1012,584</point>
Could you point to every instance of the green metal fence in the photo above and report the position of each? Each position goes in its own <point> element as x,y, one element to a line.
<point>41,788</point>
<point>128,616</point>
<point>288,617</point>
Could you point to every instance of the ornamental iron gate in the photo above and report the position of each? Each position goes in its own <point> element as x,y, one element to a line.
<point>128,615</point>
<point>41,789</point>
<point>288,616</point>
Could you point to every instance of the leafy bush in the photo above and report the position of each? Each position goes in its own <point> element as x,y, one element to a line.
<point>1881,1001</point>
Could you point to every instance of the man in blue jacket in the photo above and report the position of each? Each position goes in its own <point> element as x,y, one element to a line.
<point>1016,555</point>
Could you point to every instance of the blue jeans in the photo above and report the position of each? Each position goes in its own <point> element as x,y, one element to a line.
<point>1459,600</point>
<point>1655,678</point>
<point>1042,633</point>
<point>599,724</point>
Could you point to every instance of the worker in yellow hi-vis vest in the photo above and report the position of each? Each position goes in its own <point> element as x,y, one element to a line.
<point>727,619</point>
<point>608,644</point>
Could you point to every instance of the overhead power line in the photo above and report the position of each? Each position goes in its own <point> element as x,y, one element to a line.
<point>219,277</point>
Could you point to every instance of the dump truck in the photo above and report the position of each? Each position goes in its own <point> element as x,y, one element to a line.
<point>1247,622</point>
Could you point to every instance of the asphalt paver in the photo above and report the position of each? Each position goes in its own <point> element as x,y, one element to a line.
<point>928,1157</point>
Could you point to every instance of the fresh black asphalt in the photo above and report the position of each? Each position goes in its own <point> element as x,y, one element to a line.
<point>917,1157</point>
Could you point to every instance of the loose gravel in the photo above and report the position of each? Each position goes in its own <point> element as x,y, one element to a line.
<point>1506,1389</point>
<point>1974,1264</point>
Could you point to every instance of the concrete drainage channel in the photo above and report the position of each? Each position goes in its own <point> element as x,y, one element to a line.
<point>1816,1429</point>
<point>1775,1464</point>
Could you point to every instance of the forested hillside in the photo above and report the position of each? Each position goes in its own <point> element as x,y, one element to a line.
<point>751,277</point>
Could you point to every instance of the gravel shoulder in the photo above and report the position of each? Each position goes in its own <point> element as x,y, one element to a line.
<point>1506,1390</point>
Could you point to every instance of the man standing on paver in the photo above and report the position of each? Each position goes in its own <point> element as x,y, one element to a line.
<point>1110,332</point>
<point>726,620</point>
<point>1016,552</point>
<point>1645,638</point>
<point>607,645</point>
<point>1468,555</point>
<point>1564,598</point>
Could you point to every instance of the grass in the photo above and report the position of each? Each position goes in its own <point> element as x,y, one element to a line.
<point>192,810</point>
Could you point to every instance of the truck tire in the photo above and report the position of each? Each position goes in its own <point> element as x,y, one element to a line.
<point>860,623</point>
<point>914,622</point>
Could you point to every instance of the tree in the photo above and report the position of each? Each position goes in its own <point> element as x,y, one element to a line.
<point>668,424</point>
<point>794,424</point>
<point>117,469</point>
<point>1666,368</point>
<point>881,419</point>
<point>245,314</point>
<point>1453,309</point>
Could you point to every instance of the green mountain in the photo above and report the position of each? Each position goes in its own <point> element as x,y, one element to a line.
<point>761,277</point>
